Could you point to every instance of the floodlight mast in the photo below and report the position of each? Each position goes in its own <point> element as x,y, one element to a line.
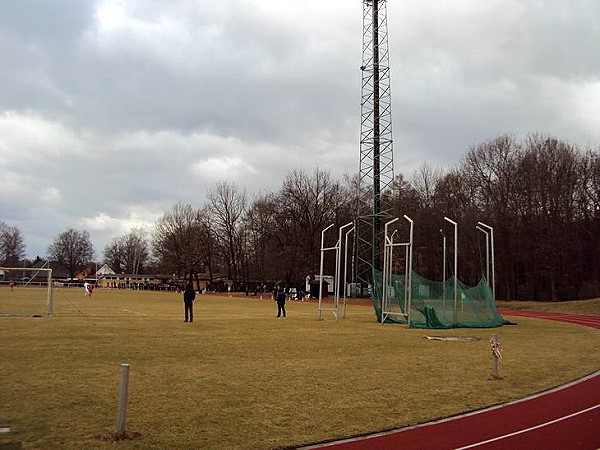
<point>376,133</point>
<point>376,152</point>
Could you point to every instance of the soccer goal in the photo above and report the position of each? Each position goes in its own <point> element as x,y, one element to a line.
<point>25,291</point>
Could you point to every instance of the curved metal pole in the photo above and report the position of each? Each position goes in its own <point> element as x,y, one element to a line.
<point>346,268</point>
<point>443,255</point>
<point>493,271</point>
<point>408,298</point>
<point>389,269</point>
<point>338,268</point>
<point>455,264</point>
<point>386,263</point>
<point>321,268</point>
<point>487,253</point>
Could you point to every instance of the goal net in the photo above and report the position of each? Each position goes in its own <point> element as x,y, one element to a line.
<point>25,291</point>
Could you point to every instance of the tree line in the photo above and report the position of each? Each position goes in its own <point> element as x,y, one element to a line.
<point>540,194</point>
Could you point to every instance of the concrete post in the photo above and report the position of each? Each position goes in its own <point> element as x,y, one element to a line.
<point>121,418</point>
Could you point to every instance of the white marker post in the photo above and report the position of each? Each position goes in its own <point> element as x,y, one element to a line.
<point>121,418</point>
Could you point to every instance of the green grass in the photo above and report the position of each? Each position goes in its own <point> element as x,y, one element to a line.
<point>239,378</point>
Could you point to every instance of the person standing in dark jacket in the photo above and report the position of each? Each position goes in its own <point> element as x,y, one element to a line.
<point>280,298</point>
<point>189,295</point>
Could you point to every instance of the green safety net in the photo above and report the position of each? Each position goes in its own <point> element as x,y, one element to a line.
<point>433,303</point>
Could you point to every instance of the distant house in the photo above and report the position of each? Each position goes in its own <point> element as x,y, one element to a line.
<point>104,270</point>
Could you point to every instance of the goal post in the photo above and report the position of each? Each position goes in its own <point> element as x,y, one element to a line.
<point>24,290</point>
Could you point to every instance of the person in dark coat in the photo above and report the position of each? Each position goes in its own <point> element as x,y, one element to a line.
<point>280,298</point>
<point>189,295</point>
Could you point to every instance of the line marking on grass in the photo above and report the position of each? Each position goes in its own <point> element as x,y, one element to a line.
<point>545,424</point>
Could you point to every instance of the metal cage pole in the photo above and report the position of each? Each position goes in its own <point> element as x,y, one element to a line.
<point>443,233</point>
<point>386,263</point>
<point>389,276</point>
<point>406,271</point>
<point>493,258</point>
<point>338,267</point>
<point>321,267</point>
<point>346,268</point>
<point>443,255</point>
<point>487,253</point>
<point>408,298</point>
<point>455,265</point>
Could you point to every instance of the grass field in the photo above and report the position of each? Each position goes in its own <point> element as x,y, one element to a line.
<point>591,307</point>
<point>239,378</point>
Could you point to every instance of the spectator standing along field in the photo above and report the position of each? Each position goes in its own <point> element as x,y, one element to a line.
<point>189,295</point>
<point>280,298</point>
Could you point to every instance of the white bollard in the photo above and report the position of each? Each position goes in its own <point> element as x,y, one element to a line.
<point>121,418</point>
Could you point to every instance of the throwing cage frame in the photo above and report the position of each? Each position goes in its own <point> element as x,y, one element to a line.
<point>338,263</point>
<point>388,257</point>
<point>388,306</point>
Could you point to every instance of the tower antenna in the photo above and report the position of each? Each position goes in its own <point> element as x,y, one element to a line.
<point>376,172</point>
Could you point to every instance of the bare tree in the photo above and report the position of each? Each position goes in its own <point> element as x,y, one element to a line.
<point>260,235</point>
<point>424,181</point>
<point>12,247</point>
<point>228,205</point>
<point>177,241</point>
<point>73,249</point>
<point>308,204</point>
<point>549,179</point>
<point>129,253</point>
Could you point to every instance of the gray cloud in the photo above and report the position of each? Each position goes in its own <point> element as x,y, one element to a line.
<point>113,110</point>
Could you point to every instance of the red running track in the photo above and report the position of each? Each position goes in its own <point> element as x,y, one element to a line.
<point>567,417</point>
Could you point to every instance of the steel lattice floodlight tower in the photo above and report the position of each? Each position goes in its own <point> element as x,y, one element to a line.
<point>376,170</point>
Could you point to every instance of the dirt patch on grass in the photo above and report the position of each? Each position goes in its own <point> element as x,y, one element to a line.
<point>116,437</point>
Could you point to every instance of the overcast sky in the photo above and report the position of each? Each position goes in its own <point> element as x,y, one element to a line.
<point>111,111</point>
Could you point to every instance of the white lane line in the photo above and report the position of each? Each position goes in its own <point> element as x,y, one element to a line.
<point>433,423</point>
<point>530,429</point>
